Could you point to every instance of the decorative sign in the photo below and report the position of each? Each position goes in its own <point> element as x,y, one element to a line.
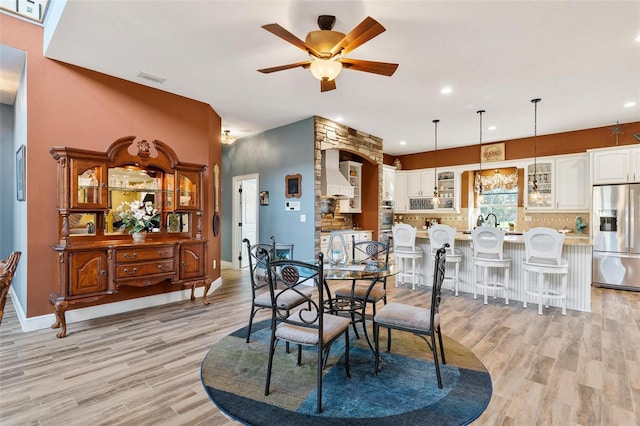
<point>293,186</point>
<point>493,152</point>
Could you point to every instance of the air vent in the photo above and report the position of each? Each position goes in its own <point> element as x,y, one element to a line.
<point>151,77</point>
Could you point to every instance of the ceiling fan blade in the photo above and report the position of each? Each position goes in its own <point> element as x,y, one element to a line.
<point>279,31</point>
<point>365,31</point>
<point>304,64</point>
<point>382,68</point>
<point>326,85</point>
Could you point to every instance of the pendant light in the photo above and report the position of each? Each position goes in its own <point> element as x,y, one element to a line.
<point>480,196</point>
<point>534,195</point>
<point>435,200</point>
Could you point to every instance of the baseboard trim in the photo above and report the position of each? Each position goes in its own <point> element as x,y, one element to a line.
<point>107,309</point>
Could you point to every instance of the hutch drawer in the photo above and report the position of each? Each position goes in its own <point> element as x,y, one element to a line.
<point>137,254</point>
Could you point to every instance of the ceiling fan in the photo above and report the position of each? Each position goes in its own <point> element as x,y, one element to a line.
<point>327,49</point>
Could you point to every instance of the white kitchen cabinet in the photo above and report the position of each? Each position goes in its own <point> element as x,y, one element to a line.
<point>401,201</point>
<point>571,180</point>
<point>388,183</point>
<point>420,183</point>
<point>542,171</point>
<point>615,165</point>
<point>353,172</point>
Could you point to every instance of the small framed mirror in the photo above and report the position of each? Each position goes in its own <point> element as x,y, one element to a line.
<point>178,222</point>
<point>82,224</point>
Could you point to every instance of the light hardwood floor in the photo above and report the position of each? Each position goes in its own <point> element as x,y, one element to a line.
<point>143,368</point>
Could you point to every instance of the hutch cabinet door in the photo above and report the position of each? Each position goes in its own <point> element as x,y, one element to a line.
<point>192,258</point>
<point>88,185</point>
<point>188,190</point>
<point>87,272</point>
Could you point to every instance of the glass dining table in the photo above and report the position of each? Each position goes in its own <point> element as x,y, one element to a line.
<point>350,305</point>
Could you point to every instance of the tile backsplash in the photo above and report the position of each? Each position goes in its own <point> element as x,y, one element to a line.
<point>462,221</point>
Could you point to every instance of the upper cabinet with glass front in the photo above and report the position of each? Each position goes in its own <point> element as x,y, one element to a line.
<point>95,189</point>
<point>88,184</point>
<point>542,173</point>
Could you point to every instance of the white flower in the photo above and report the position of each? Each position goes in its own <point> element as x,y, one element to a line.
<point>137,216</point>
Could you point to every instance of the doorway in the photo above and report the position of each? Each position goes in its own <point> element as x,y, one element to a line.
<point>245,217</point>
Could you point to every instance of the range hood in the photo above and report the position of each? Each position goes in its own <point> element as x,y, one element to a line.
<point>334,184</point>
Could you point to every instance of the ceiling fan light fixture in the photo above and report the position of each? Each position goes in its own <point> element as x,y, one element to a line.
<point>325,69</point>
<point>227,139</point>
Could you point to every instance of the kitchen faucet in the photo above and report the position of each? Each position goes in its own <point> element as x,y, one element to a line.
<point>495,219</point>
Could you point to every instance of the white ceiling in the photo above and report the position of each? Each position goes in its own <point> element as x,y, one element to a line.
<point>581,57</point>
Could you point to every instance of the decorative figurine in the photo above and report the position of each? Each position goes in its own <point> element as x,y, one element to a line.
<point>580,225</point>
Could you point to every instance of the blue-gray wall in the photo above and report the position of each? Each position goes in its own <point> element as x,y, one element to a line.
<point>7,192</point>
<point>286,150</point>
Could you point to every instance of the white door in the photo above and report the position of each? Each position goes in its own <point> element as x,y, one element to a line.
<point>245,214</point>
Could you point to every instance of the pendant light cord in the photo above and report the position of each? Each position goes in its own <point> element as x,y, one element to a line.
<point>535,142</point>
<point>435,198</point>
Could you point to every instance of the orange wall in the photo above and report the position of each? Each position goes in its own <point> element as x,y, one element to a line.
<point>75,107</point>
<point>555,144</point>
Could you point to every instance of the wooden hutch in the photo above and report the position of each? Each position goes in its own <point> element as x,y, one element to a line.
<point>94,256</point>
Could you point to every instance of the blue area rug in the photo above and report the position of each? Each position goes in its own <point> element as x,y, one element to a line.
<point>405,391</point>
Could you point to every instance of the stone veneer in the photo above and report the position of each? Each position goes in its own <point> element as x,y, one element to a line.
<point>332,135</point>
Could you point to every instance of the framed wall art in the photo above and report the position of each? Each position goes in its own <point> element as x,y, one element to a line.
<point>21,175</point>
<point>493,152</point>
<point>264,198</point>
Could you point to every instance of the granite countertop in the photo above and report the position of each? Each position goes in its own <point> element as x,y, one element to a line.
<point>328,231</point>
<point>572,239</point>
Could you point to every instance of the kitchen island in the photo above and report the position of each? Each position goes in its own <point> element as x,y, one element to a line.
<point>577,250</point>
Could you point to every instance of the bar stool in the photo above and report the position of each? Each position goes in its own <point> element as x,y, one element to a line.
<point>405,249</point>
<point>487,254</point>
<point>543,251</point>
<point>444,234</point>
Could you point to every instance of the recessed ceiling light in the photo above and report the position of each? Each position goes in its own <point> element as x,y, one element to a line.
<point>339,119</point>
<point>638,39</point>
<point>403,142</point>
<point>446,90</point>
<point>630,104</point>
<point>491,128</point>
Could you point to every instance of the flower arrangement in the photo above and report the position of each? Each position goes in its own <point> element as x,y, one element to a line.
<point>137,216</point>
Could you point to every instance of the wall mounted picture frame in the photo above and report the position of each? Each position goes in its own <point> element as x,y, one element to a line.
<point>492,152</point>
<point>293,186</point>
<point>21,175</point>
<point>264,198</point>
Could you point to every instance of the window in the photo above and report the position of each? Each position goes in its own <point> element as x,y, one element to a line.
<point>501,202</point>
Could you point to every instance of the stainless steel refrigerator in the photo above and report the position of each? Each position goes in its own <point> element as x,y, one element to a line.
<point>615,222</point>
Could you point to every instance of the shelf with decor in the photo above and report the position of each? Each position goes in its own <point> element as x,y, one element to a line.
<point>352,171</point>
<point>106,198</point>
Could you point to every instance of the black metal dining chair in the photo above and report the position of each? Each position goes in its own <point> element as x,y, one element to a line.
<point>373,255</point>
<point>421,321</point>
<point>259,257</point>
<point>309,325</point>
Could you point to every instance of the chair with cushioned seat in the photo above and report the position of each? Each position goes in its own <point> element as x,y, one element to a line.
<point>418,320</point>
<point>7,271</point>
<point>543,256</point>
<point>405,250</point>
<point>307,326</point>
<point>259,257</point>
<point>488,243</point>
<point>440,235</point>
<point>366,252</point>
